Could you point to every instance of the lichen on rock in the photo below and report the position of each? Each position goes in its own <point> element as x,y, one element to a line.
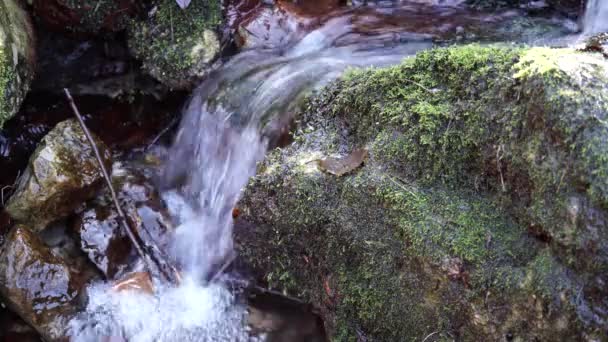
<point>178,46</point>
<point>16,57</point>
<point>61,174</point>
<point>480,212</point>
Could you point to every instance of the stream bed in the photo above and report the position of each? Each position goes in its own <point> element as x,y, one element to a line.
<point>191,154</point>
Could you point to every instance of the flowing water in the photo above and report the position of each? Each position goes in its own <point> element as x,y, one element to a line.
<point>595,19</point>
<point>225,131</point>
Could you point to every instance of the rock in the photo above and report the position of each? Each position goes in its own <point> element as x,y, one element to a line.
<point>102,237</point>
<point>40,287</point>
<point>177,46</point>
<point>480,212</point>
<point>13,328</point>
<point>17,57</point>
<point>89,16</point>
<point>61,174</point>
<point>572,8</point>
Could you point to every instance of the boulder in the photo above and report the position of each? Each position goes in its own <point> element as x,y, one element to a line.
<point>104,239</point>
<point>61,174</point>
<point>177,46</point>
<point>17,57</point>
<point>479,212</point>
<point>89,16</point>
<point>42,288</point>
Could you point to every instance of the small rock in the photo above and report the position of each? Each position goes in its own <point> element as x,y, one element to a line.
<point>61,174</point>
<point>37,285</point>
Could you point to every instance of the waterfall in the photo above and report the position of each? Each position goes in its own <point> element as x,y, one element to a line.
<point>595,19</point>
<point>223,134</point>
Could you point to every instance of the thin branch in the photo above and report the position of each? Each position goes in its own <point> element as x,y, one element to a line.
<point>154,261</point>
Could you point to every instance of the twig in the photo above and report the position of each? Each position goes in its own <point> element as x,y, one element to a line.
<point>153,262</point>
<point>173,122</point>
<point>429,335</point>
<point>418,84</point>
<point>498,159</point>
<point>224,266</point>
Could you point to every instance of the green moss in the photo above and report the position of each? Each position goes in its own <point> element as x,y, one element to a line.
<point>176,45</point>
<point>6,74</point>
<point>15,71</point>
<point>525,124</point>
<point>470,148</point>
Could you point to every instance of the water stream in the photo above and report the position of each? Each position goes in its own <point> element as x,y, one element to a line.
<point>225,131</point>
<point>595,19</point>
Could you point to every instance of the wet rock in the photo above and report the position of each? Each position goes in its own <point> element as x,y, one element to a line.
<point>433,233</point>
<point>282,320</point>
<point>13,328</point>
<point>39,286</point>
<point>597,43</point>
<point>177,46</point>
<point>17,57</point>
<point>61,174</point>
<point>87,16</point>
<point>103,238</point>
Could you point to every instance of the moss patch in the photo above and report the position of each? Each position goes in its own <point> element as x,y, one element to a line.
<point>177,45</point>
<point>16,58</point>
<point>467,152</point>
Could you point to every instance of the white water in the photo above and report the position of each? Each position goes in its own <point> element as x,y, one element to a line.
<point>595,19</point>
<point>221,138</point>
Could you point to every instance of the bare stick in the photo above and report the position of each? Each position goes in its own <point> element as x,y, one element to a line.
<point>155,262</point>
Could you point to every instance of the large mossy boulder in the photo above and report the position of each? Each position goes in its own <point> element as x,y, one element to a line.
<point>178,46</point>
<point>480,212</point>
<point>61,175</point>
<point>16,57</point>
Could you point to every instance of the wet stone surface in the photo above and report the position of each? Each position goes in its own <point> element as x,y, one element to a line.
<point>62,173</point>
<point>103,238</point>
<point>41,287</point>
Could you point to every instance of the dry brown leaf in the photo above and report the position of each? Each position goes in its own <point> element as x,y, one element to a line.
<point>137,281</point>
<point>344,165</point>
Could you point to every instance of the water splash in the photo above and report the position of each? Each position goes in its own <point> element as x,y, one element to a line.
<point>188,313</point>
<point>595,19</point>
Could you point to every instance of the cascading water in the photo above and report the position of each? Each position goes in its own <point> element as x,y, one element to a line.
<point>224,133</point>
<point>225,130</point>
<point>595,19</point>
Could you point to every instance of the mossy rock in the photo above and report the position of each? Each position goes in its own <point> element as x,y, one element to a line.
<point>462,222</point>
<point>16,57</point>
<point>178,46</point>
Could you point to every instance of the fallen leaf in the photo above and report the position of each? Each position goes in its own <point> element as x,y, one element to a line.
<point>183,3</point>
<point>137,281</point>
<point>344,165</point>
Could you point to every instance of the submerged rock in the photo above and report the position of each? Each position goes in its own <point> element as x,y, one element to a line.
<point>61,174</point>
<point>177,46</point>
<point>104,239</point>
<point>39,286</point>
<point>89,16</point>
<point>16,57</point>
<point>479,214</point>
